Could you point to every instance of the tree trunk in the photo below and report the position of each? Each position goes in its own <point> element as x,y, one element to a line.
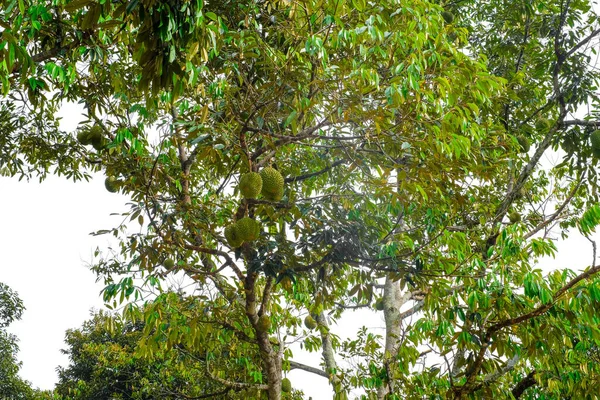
<point>272,363</point>
<point>271,358</point>
<point>329,357</point>
<point>393,300</point>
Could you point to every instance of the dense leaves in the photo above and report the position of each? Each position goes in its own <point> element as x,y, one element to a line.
<point>104,363</point>
<point>411,139</point>
<point>12,387</point>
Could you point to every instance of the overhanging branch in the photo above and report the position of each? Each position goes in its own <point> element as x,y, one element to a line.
<point>308,368</point>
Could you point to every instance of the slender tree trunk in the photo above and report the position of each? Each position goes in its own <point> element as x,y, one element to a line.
<point>393,300</point>
<point>271,358</point>
<point>329,357</point>
<point>272,363</point>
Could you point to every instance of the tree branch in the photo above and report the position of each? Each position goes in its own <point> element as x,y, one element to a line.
<point>228,260</point>
<point>304,134</point>
<point>581,44</point>
<point>581,122</point>
<point>235,385</point>
<point>307,368</point>
<point>524,384</point>
<point>298,178</point>
<point>560,209</point>
<point>543,308</point>
<point>266,296</point>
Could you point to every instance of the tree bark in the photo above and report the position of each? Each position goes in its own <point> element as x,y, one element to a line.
<point>393,300</point>
<point>271,358</point>
<point>329,357</point>
<point>524,384</point>
<point>272,363</point>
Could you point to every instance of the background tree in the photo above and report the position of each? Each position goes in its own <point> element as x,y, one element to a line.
<point>104,363</point>
<point>402,134</point>
<point>12,387</point>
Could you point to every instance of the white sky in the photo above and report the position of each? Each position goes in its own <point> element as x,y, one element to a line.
<point>45,249</point>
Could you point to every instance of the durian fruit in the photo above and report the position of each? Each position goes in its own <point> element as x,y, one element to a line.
<point>169,263</point>
<point>542,124</point>
<point>247,229</point>
<point>91,136</point>
<point>264,323</point>
<point>524,143</point>
<point>286,385</point>
<point>286,284</point>
<point>379,305</point>
<point>595,139</point>
<point>83,136</point>
<point>95,137</point>
<point>232,237</point>
<point>514,217</point>
<point>448,17</point>
<point>250,185</point>
<point>309,322</point>
<point>272,184</point>
<point>112,184</point>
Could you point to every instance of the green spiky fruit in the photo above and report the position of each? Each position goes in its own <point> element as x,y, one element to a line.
<point>286,385</point>
<point>112,184</point>
<point>542,124</point>
<point>83,136</point>
<point>310,323</point>
<point>272,184</point>
<point>595,139</point>
<point>379,305</point>
<point>274,196</point>
<point>524,143</point>
<point>596,153</point>
<point>247,229</point>
<point>250,185</point>
<point>448,17</point>
<point>169,263</point>
<point>264,323</point>
<point>514,217</point>
<point>232,237</point>
<point>95,137</point>
<point>286,284</point>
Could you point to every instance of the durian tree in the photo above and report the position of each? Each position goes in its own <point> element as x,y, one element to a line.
<point>298,160</point>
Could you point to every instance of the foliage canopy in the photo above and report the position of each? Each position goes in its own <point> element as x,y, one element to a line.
<point>402,136</point>
<point>12,387</point>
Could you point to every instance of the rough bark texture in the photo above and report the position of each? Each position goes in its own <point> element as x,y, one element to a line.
<point>272,363</point>
<point>329,358</point>
<point>393,300</point>
<point>524,384</point>
<point>271,358</point>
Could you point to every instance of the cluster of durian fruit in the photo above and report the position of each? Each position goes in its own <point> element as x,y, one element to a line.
<point>270,184</point>
<point>93,136</point>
